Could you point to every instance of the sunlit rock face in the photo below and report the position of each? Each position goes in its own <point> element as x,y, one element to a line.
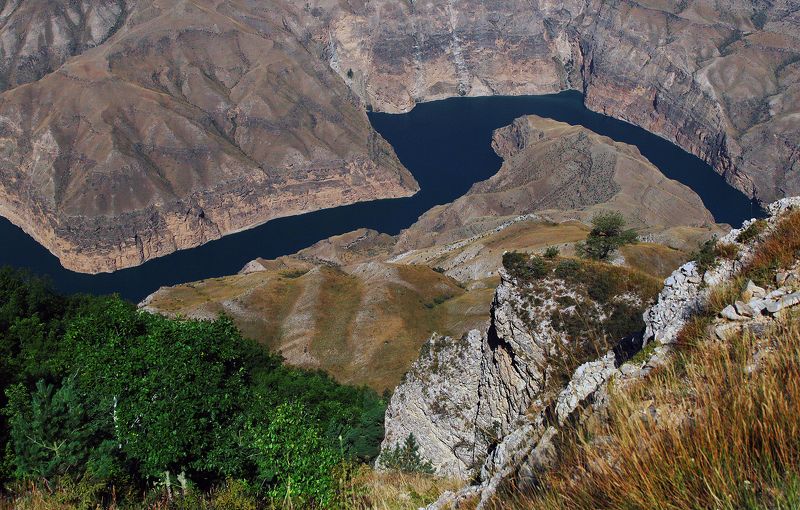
<point>129,130</point>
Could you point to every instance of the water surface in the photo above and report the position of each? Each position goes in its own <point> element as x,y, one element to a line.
<point>445,144</point>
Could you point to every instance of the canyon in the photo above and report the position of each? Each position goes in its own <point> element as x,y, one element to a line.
<point>360,305</point>
<point>131,130</point>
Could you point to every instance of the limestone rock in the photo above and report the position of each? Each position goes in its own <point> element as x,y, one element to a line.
<point>783,302</point>
<point>753,291</point>
<point>730,313</point>
<point>743,309</point>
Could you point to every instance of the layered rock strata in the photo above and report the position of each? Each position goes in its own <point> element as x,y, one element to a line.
<point>132,129</point>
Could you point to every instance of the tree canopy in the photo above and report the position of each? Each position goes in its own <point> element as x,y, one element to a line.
<point>607,235</point>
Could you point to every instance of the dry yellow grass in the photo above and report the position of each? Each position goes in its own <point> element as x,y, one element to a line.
<point>705,432</point>
<point>779,250</point>
<point>363,329</point>
<point>373,490</point>
<point>653,259</point>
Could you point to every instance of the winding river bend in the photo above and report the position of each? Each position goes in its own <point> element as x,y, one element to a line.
<point>445,144</point>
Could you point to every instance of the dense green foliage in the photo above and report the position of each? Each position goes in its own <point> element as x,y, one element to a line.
<point>608,233</point>
<point>95,389</point>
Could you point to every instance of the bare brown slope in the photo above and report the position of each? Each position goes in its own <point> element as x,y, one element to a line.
<point>560,172</point>
<point>194,120</point>
<point>363,324</point>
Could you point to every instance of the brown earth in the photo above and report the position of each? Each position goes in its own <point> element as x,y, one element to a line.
<point>129,130</point>
<point>719,78</point>
<point>360,305</point>
<point>193,120</point>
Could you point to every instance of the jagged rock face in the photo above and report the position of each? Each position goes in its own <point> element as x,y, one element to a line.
<point>560,172</point>
<point>529,443</point>
<point>720,79</point>
<point>686,290</point>
<point>463,397</point>
<point>192,121</point>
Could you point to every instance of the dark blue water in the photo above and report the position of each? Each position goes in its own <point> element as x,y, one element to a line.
<point>445,144</point>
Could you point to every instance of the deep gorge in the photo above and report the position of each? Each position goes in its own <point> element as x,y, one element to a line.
<point>446,146</point>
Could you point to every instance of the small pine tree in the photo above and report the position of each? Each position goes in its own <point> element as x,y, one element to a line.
<point>405,457</point>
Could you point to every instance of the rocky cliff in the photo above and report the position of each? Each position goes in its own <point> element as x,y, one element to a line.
<point>717,78</point>
<point>464,397</point>
<point>190,121</point>
<point>131,129</point>
<point>481,407</point>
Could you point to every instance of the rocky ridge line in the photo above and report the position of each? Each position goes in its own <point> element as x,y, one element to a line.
<point>525,440</point>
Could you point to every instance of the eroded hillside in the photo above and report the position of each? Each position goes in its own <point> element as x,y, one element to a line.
<point>131,130</point>
<point>361,305</point>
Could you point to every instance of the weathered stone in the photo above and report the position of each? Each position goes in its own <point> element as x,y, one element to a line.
<point>753,291</point>
<point>724,330</point>
<point>729,312</point>
<point>786,301</point>
<point>743,309</point>
<point>757,305</point>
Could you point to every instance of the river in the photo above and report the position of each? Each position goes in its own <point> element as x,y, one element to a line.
<point>445,144</point>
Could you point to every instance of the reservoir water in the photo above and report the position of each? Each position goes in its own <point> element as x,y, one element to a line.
<point>445,144</point>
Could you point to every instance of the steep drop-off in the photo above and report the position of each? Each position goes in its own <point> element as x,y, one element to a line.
<point>720,79</point>
<point>192,121</point>
<point>128,131</point>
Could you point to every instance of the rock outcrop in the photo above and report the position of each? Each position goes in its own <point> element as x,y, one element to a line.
<point>465,399</point>
<point>525,439</point>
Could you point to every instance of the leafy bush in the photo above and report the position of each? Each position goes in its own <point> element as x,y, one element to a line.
<point>405,457</point>
<point>97,393</point>
<point>706,256</point>
<point>608,233</point>
<point>294,463</point>
<point>522,266</point>
<point>567,268</point>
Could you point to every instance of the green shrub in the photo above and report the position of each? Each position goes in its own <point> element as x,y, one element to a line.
<point>294,463</point>
<point>705,256</point>
<point>751,232</point>
<point>567,268</point>
<point>551,252</point>
<point>405,457</point>
<point>608,233</point>
<point>93,388</point>
<point>522,266</point>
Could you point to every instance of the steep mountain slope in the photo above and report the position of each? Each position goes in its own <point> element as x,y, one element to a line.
<point>195,119</point>
<point>500,407</point>
<point>720,79</point>
<point>157,125</point>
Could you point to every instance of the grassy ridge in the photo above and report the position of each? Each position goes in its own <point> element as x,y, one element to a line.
<point>717,427</point>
